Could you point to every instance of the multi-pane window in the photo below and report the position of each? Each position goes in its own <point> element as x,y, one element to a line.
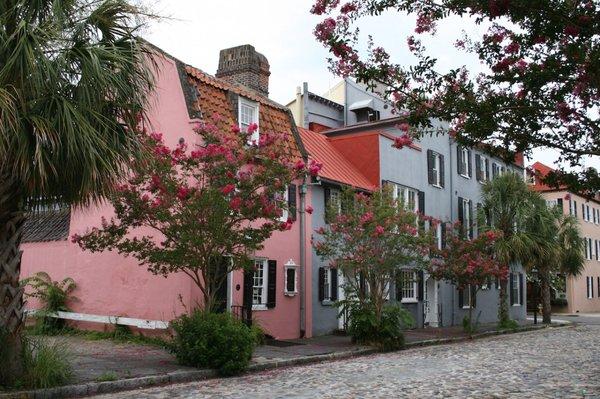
<point>408,285</point>
<point>435,168</point>
<point>248,114</point>
<point>516,288</point>
<point>259,283</point>
<point>408,197</point>
<point>465,215</point>
<point>482,168</point>
<point>465,298</point>
<point>590,287</point>
<point>328,285</point>
<point>464,162</point>
<point>291,283</point>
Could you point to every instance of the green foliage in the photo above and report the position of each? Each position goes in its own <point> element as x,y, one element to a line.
<point>508,324</point>
<point>107,376</point>
<point>258,333</point>
<point>47,364</point>
<point>559,302</point>
<point>386,333</point>
<point>54,296</point>
<point>213,340</point>
<point>468,326</point>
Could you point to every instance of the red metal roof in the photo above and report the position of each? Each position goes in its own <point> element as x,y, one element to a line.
<point>335,166</point>
<point>541,170</point>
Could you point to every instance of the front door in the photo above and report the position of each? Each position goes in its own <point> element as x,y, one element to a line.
<point>221,296</point>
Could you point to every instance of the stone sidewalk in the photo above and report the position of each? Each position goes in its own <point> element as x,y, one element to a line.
<point>107,366</point>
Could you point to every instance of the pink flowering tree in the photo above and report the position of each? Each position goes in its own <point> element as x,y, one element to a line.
<point>538,85</point>
<point>369,242</point>
<point>467,263</point>
<point>201,209</point>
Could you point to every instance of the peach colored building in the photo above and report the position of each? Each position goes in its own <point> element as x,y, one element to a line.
<point>112,285</point>
<point>582,292</point>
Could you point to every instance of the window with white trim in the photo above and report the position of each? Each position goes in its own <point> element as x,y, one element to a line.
<point>466,297</point>
<point>482,164</point>
<point>409,197</point>
<point>408,286</point>
<point>248,114</point>
<point>465,161</point>
<point>283,197</point>
<point>259,284</point>
<point>438,235</point>
<point>516,288</point>
<point>436,168</point>
<point>590,287</point>
<point>291,279</point>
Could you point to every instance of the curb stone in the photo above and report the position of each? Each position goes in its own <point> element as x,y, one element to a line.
<point>94,388</point>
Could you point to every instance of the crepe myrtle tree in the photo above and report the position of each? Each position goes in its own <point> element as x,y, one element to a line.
<point>539,86</point>
<point>369,241</point>
<point>204,209</point>
<point>467,263</point>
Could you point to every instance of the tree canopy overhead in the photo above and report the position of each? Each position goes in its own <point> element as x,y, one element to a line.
<point>540,87</point>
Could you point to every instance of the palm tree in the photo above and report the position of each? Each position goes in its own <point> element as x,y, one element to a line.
<point>506,204</point>
<point>559,249</point>
<point>74,81</point>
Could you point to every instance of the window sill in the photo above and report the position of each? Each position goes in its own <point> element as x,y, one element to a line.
<point>465,176</point>
<point>437,186</point>
<point>290,293</point>
<point>260,307</point>
<point>327,302</point>
<point>409,301</point>
<point>517,304</point>
<point>467,307</point>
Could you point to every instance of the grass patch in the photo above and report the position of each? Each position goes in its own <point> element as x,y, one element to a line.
<point>47,364</point>
<point>107,376</point>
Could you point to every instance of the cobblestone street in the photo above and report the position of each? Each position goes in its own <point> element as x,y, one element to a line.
<point>558,362</point>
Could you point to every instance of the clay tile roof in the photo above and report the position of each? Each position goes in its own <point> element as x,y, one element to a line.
<point>214,95</point>
<point>47,226</point>
<point>541,170</point>
<point>335,166</point>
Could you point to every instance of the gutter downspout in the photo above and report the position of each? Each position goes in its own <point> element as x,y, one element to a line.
<point>303,190</point>
<point>450,152</point>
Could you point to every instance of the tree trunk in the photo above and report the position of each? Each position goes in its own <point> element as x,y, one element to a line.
<point>12,219</point>
<point>546,305</point>
<point>503,317</point>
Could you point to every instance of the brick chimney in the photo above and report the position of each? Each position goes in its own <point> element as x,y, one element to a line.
<point>244,65</point>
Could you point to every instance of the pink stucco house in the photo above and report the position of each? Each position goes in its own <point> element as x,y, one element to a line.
<point>112,285</point>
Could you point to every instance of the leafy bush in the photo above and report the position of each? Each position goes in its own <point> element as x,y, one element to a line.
<point>54,296</point>
<point>508,325</point>
<point>216,341</point>
<point>387,333</point>
<point>559,302</point>
<point>258,333</point>
<point>46,364</point>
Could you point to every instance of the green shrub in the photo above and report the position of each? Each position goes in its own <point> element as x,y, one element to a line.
<point>508,325</point>
<point>258,333</point>
<point>559,302</point>
<point>387,334</point>
<point>216,341</point>
<point>46,364</point>
<point>54,296</point>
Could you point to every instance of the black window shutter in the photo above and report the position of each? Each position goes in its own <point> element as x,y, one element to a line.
<point>292,201</point>
<point>559,203</point>
<point>442,180</point>
<point>470,226</point>
<point>362,283</point>
<point>494,169</point>
<point>469,163</point>
<point>478,167</point>
<point>461,299</point>
<point>272,284</point>
<point>443,227</point>
<point>520,288</point>
<point>430,166</point>
<point>420,283</point>
<point>327,202</point>
<point>474,296</point>
<point>459,161</point>
<point>248,288</point>
<point>334,284</point>
<point>321,284</point>
<point>421,196</point>
<point>511,287</point>
<point>399,286</point>
<point>461,216</point>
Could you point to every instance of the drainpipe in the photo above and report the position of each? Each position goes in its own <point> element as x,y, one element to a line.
<point>303,190</point>
<point>451,207</point>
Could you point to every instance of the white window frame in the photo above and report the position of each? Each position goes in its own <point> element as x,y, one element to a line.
<point>466,293</point>
<point>327,286</point>
<point>483,170</point>
<point>466,160</point>
<point>467,217</point>
<point>517,287</point>
<point>404,194</point>
<point>335,197</point>
<point>243,125</point>
<point>290,265</point>
<point>436,169</point>
<point>438,235</point>
<point>589,287</point>
<point>285,214</point>
<point>409,286</point>
<point>261,303</point>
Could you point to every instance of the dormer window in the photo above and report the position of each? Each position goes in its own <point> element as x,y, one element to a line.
<point>248,114</point>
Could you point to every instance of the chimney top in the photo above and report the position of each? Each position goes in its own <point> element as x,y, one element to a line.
<point>244,65</point>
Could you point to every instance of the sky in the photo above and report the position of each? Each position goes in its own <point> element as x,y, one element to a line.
<point>195,30</point>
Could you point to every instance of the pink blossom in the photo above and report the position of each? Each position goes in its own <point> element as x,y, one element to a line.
<point>299,165</point>
<point>183,193</point>
<point>512,48</point>
<point>320,230</point>
<point>228,189</point>
<point>75,238</point>
<point>404,127</point>
<point>366,218</point>
<point>315,167</point>
<point>287,225</point>
<point>235,129</point>
<point>253,127</point>
<point>379,230</point>
<point>309,209</point>
<point>158,137</point>
<point>402,141</point>
<point>235,203</point>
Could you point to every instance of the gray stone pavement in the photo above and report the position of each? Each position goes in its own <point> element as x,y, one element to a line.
<point>553,363</point>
